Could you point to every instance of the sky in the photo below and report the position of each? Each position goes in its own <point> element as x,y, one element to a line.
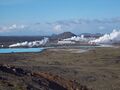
<point>46,17</point>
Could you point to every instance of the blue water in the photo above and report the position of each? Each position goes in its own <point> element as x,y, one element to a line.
<point>20,50</point>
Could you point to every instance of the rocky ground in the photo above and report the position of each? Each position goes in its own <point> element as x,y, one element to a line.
<point>96,69</point>
<point>12,78</point>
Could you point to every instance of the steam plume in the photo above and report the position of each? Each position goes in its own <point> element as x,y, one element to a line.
<point>111,38</point>
<point>30,44</point>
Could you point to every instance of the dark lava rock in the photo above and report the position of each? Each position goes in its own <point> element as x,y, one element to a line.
<point>27,80</point>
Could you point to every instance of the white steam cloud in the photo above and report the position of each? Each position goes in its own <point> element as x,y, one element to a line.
<point>76,38</point>
<point>79,39</point>
<point>111,38</point>
<point>30,44</point>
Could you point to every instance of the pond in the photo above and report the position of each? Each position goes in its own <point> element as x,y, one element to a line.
<point>20,50</point>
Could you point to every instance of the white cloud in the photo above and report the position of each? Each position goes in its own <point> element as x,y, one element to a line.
<point>57,28</point>
<point>76,26</point>
<point>22,26</point>
<point>11,27</point>
<point>14,26</point>
<point>101,27</point>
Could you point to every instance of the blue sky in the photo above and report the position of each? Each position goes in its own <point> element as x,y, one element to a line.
<point>44,17</point>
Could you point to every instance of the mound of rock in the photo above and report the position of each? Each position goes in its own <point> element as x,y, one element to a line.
<point>13,78</point>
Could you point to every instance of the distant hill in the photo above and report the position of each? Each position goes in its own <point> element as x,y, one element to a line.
<point>63,35</point>
<point>19,38</point>
<point>7,40</point>
<point>96,35</point>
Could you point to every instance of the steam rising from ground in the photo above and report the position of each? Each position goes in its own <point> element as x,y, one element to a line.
<point>75,39</point>
<point>30,44</point>
<point>79,38</point>
<point>111,38</point>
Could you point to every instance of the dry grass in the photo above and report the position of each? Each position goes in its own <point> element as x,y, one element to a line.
<point>98,68</point>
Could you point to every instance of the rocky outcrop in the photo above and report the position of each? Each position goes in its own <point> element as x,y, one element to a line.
<point>36,80</point>
<point>60,83</point>
<point>13,70</point>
